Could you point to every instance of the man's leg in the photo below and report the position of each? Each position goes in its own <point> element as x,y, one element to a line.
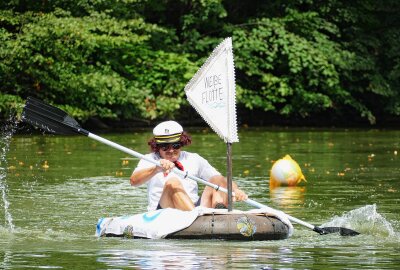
<point>174,196</point>
<point>211,197</point>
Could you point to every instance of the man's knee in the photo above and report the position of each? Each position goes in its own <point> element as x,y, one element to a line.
<point>173,184</point>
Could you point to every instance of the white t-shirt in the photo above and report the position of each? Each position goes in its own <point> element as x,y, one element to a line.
<point>192,163</point>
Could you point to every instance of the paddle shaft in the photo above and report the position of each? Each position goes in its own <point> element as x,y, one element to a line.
<point>296,220</point>
<point>187,175</point>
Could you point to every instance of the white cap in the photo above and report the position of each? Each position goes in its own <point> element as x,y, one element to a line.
<point>167,132</point>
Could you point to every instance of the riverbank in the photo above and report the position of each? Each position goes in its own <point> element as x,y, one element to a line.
<point>245,118</point>
<point>252,118</point>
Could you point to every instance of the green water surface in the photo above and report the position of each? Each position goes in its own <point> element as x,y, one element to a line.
<point>55,188</point>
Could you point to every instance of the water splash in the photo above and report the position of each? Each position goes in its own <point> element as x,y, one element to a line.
<point>5,139</point>
<point>365,220</point>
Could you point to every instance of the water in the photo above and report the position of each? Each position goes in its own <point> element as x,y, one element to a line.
<point>6,134</point>
<point>57,187</point>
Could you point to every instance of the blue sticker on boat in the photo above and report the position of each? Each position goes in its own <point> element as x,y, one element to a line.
<point>150,218</point>
<point>98,225</point>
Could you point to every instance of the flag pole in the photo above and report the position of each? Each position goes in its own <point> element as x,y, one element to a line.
<point>229,174</point>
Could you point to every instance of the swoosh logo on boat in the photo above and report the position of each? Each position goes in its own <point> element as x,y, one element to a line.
<point>150,218</point>
<point>98,226</point>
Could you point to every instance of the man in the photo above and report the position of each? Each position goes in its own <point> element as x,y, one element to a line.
<point>165,189</point>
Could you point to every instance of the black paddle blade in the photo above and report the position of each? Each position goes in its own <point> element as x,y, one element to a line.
<point>342,231</point>
<point>49,118</point>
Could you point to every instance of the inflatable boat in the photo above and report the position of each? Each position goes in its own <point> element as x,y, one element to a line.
<point>201,223</point>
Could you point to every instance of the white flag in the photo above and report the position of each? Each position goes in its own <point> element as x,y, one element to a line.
<point>212,92</point>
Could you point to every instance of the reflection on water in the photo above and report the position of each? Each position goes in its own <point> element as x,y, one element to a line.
<point>184,259</point>
<point>287,197</point>
<point>198,255</point>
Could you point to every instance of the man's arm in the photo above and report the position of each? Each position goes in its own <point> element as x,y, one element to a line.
<point>141,176</point>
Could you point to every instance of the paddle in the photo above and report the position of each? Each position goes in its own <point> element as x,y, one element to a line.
<point>54,120</point>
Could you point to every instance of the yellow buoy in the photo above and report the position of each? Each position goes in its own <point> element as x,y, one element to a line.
<point>285,172</point>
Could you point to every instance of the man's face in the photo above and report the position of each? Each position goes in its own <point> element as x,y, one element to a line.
<point>170,151</point>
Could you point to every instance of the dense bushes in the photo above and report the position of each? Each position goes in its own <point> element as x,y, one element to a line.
<point>131,59</point>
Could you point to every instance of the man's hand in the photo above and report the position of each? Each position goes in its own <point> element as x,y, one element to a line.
<point>239,195</point>
<point>166,166</point>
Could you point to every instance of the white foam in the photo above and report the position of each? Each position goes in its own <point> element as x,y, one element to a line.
<point>365,220</point>
<point>5,140</point>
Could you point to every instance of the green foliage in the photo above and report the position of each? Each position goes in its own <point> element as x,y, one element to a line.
<point>287,72</point>
<point>130,59</point>
<point>126,9</point>
<point>98,65</point>
<point>10,105</point>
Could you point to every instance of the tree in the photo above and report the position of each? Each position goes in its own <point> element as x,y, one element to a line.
<point>130,59</point>
<point>94,66</point>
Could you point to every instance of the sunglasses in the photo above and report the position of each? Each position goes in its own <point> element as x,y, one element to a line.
<point>167,146</point>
